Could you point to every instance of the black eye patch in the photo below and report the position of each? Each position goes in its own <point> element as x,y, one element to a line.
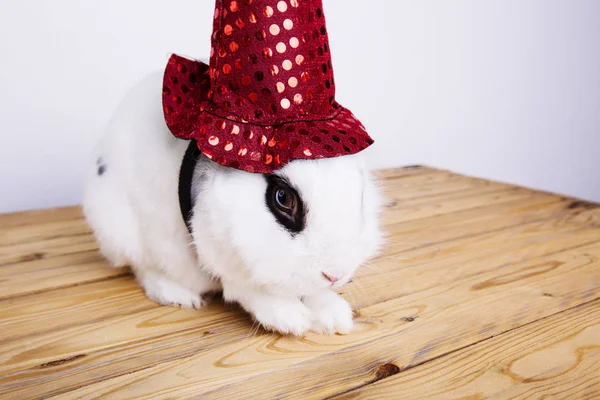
<point>285,203</point>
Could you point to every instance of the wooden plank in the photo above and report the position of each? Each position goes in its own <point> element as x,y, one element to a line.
<point>420,269</point>
<point>61,271</point>
<point>38,217</point>
<point>453,202</point>
<point>404,332</point>
<point>431,231</point>
<point>99,301</point>
<point>46,248</point>
<point>557,357</point>
<point>544,237</point>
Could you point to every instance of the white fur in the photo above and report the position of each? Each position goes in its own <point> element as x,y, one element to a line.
<point>133,209</point>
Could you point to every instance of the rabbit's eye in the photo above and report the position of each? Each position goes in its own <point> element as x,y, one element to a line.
<point>284,200</point>
<point>285,204</point>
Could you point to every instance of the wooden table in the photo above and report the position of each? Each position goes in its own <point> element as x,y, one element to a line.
<point>485,290</point>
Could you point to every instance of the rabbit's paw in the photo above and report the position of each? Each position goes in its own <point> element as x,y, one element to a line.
<point>169,293</point>
<point>330,313</point>
<point>284,316</point>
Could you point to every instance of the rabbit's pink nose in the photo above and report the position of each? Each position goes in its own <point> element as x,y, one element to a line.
<point>330,278</point>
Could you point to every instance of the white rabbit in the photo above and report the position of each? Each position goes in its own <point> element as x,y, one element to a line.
<point>278,245</point>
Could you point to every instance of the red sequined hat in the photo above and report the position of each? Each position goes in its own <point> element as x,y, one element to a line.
<point>268,96</point>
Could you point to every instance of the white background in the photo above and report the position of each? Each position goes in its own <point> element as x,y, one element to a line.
<point>503,89</point>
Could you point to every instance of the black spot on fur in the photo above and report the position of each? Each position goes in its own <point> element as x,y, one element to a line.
<point>101,166</point>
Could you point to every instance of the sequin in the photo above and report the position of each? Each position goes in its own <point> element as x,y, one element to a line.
<point>280,47</point>
<point>299,59</point>
<point>233,6</point>
<point>255,156</point>
<point>248,134</point>
<point>228,146</point>
<point>282,6</point>
<point>267,52</point>
<point>239,64</point>
<point>280,87</point>
<point>233,47</point>
<point>294,42</point>
<point>207,154</point>
<point>307,152</point>
<point>294,3</point>
<point>268,159</point>
<point>260,35</point>
<point>293,82</point>
<point>274,69</point>
<point>268,11</point>
<point>305,76</point>
<point>246,80</point>
<point>287,65</point>
<point>288,24</point>
<point>228,29</point>
<point>253,97</point>
<point>252,18</point>
<point>242,151</point>
<point>226,69</point>
<point>213,140</point>
<point>240,23</point>
<point>263,140</point>
<point>274,29</point>
<point>246,41</point>
<point>235,130</point>
<point>297,98</point>
<point>285,104</point>
<point>272,142</point>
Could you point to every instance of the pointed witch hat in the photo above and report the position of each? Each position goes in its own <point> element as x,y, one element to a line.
<point>268,95</point>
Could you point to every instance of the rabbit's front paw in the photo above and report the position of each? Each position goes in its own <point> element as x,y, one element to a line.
<point>331,313</point>
<point>284,316</point>
<point>169,293</point>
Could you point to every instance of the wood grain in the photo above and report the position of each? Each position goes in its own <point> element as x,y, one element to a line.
<point>467,260</point>
<point>557,357</point>
<point>405,332</point>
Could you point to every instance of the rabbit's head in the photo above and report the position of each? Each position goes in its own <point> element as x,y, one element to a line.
<point>305,228</point>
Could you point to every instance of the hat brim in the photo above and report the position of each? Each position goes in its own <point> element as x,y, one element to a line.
<point>247,146</point>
